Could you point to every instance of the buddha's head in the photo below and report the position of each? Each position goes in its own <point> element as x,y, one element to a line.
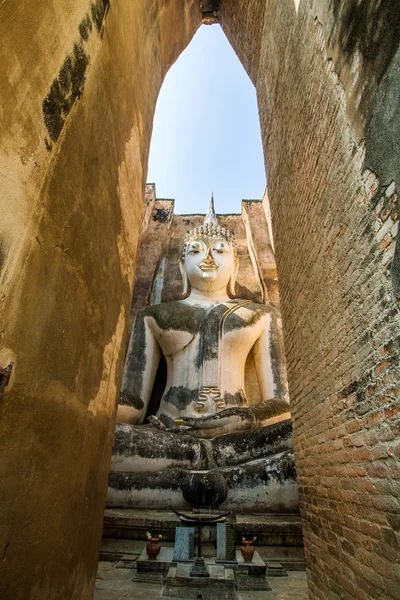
<point>209,261</point>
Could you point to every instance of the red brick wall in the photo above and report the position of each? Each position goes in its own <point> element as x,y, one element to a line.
<point>334,225</point>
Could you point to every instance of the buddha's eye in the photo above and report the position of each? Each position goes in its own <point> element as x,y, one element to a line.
<point>220,247</point>
<point>194,248</point>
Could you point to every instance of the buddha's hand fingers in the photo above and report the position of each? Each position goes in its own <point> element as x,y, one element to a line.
<point>221,419</point>
<point>200,422</point>
<point>181,429</point>
<point>210,433</point>
<point>156,422</point>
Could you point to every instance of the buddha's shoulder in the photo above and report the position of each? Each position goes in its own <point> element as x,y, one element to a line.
<point>175,315</point>
<point>245,313</point>
<point>254,307</point>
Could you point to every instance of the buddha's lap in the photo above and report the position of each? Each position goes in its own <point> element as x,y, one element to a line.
<point>145,448</point>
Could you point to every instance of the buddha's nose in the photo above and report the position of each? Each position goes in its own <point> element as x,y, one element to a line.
<point>209,259</point>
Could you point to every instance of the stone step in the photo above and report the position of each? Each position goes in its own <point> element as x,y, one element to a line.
<point>270,529</point>
<point>279,536</point>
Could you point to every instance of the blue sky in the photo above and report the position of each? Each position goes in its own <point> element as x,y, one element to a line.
<point>206,132</point>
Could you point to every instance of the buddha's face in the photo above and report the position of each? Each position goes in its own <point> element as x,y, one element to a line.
<point>209,263</point>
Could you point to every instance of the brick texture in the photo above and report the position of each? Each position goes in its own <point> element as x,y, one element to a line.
<point>335,228</point>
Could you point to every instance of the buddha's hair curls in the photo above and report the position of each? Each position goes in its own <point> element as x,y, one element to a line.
<point>211,230</point>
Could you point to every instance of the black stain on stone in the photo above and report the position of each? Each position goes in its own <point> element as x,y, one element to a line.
<point>99,10</point>
<point>135,361</point>
<point>147,442</point>
<point>69,84</point>
<point>2,255</point>
<point>255,312</point>
<point>158,387</point>
<point>78,71</point>
<point>161,215</point>
<point>372,31</point>
<point>213,325</point>
<point>167,420</point>
<point>370,28</point>
<point>55,108</point>
<point>209,336</point>
<point>382,145</point>
<point>180,397</point>
<point>133,400</point>
<point>234,322</point>
<point>362,27</point>
<point>85,28</point>
<point>64,91</point>
<point>164,481</point>
<point>177,315</point>
<point>276,355</point>
<point>64,76</point>
<point>280,469</point>
<point>237,399</point>
<point>240,447</point>
<point>269,408</point>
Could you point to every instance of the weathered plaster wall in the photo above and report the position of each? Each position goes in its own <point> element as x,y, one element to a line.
<point>79,82</point>
<point>327,83</point>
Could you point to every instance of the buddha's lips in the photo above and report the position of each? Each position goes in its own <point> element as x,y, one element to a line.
<point>210,267</point>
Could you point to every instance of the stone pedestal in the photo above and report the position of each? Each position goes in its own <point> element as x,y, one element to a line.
<point>280,534</point>
<point>220,585</point>
<point>154,571</point>
<point>226,543</point>
<point>251,575</point>
<point>276,570</point>
<point>184,544</point>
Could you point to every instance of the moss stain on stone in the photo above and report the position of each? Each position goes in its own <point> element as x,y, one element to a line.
<point>99,10</point>
<point>370,29</point>
<point>161,215</point>
<point>180,397</point>
<point>53,110</point>
<point>64,90</point>
<point>69,84</point>
<point>135,364</point>
<point>85,28</point>
<point>78,71</point>
<point>2,256</point>
<point>177,315</point>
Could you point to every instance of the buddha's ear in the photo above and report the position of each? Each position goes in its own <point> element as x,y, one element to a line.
<point>184,277</point>
<point>232,281</point>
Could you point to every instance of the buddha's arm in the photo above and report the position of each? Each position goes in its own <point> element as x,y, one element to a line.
<point>140,370</point>
<point>273,407</point>
<point>266,360</point>
<point>268,357</point>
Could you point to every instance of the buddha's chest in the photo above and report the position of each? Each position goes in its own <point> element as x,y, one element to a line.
<point>219,332</point>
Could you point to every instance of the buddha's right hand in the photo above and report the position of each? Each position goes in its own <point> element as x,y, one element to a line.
<point>225,421</point>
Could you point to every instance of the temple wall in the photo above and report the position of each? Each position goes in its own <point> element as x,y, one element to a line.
<point>327,79</point>
<point>79,82</point>
<point>72,183</point>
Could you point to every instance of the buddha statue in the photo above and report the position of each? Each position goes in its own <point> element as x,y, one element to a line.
<point>204,418</point>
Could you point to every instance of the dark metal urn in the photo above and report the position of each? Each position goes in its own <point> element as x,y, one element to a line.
<point>205,488</point>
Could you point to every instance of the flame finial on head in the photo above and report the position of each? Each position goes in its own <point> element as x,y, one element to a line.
<point>210,228</point>
<point>211,217</point>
